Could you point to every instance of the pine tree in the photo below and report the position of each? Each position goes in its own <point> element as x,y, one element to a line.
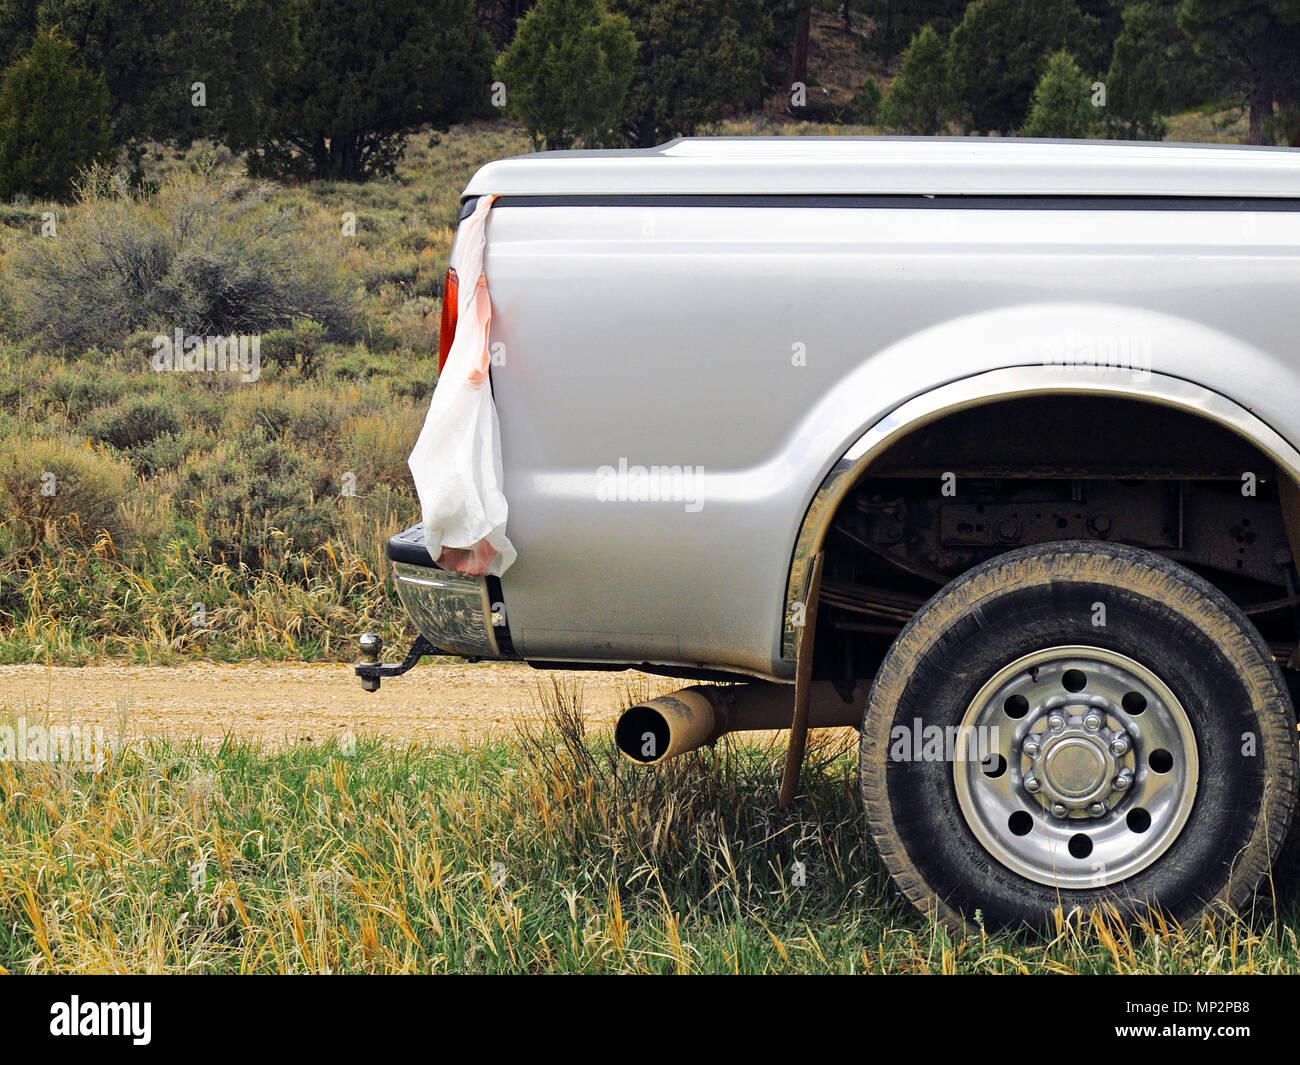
<point>354,78</point>
<point>567,72</point>
<point>1138,88</point>
<point>1062,103</point>
<point>920,100</point>
<point>1256,43</point>
<point>999,53</point>
<point>174,69</point>
<point>695,59</point>
<point>53,120</point>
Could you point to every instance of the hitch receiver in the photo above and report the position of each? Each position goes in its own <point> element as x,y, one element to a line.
<point>372,671</point>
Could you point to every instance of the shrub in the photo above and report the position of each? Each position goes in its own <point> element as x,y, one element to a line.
<point>201,406</point>
<point>301,347</point>
<point>262,411</point>
<point>155,432</point>
<point>75,394</point>
<point>417,383</point>
<point>53,121</point>
<point>55,486</point>
<point>247,499</point>
<point>207,255</point>
<point>361,364</point>
<point>376,447</point>
<point>166,451</point>
<point>133,422</point>
<point>866,105</point>
<point>311,416</point>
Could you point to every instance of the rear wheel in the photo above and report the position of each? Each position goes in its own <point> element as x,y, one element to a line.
<point>1072,725</point>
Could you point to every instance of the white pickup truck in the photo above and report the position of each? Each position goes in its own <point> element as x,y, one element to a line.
<point>985,447</point>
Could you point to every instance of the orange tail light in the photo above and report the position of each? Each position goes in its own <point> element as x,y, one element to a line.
<point>450,310</point>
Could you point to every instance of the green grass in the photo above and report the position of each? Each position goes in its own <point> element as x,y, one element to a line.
<point>543,854</point>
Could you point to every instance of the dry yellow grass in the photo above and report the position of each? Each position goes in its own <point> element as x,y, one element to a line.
<point>544,853</point>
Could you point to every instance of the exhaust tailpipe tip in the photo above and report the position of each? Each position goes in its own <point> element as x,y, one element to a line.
<point>642,734</point>
<point>650,732</point>
<point>658,729</point>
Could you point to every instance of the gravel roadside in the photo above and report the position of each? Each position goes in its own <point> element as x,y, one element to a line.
<point>453,703</point>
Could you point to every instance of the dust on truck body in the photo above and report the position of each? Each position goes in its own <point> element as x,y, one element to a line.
<point>985,447</point>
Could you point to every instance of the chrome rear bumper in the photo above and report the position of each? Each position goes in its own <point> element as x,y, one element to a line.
<point>453,612</point>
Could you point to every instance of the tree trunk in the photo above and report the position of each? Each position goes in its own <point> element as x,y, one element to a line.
<point>320,156</point>
<point>345,157</point>
<point>645,134</point>
<point>1286,87</point>
<point>1259,61</point>
<point>1261,107</point>
<point>799,67</point>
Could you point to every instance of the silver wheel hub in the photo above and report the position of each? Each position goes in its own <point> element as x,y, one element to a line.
<point>1087,767</point>
<point>1075,765</point>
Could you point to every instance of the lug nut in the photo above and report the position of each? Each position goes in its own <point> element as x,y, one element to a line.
<point>1056,722</point>
<point>1030,749</point>
<point>1031,783</point>
<point>1122,781</point>
<point>1119,745</point>
<point>1092,722</point>
<point>1059,810</point>
<point>1097,809</point>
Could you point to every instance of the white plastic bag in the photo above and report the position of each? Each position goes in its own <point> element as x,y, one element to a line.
<point>457,459</point>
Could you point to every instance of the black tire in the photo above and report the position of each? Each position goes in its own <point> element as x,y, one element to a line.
<point>1161,616</point>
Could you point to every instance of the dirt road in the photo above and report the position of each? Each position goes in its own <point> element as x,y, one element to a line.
<point>434,703</point>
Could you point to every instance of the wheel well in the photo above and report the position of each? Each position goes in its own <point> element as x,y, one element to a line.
<point>981,481</point>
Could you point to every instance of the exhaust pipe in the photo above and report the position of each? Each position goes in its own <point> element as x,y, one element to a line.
<point>658,729</point>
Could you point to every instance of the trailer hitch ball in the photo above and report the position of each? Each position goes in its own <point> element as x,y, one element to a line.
<point>372,646</point>
<point>372,671</point>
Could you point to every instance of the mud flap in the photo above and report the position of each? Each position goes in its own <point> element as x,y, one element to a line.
<point>802,686</point>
